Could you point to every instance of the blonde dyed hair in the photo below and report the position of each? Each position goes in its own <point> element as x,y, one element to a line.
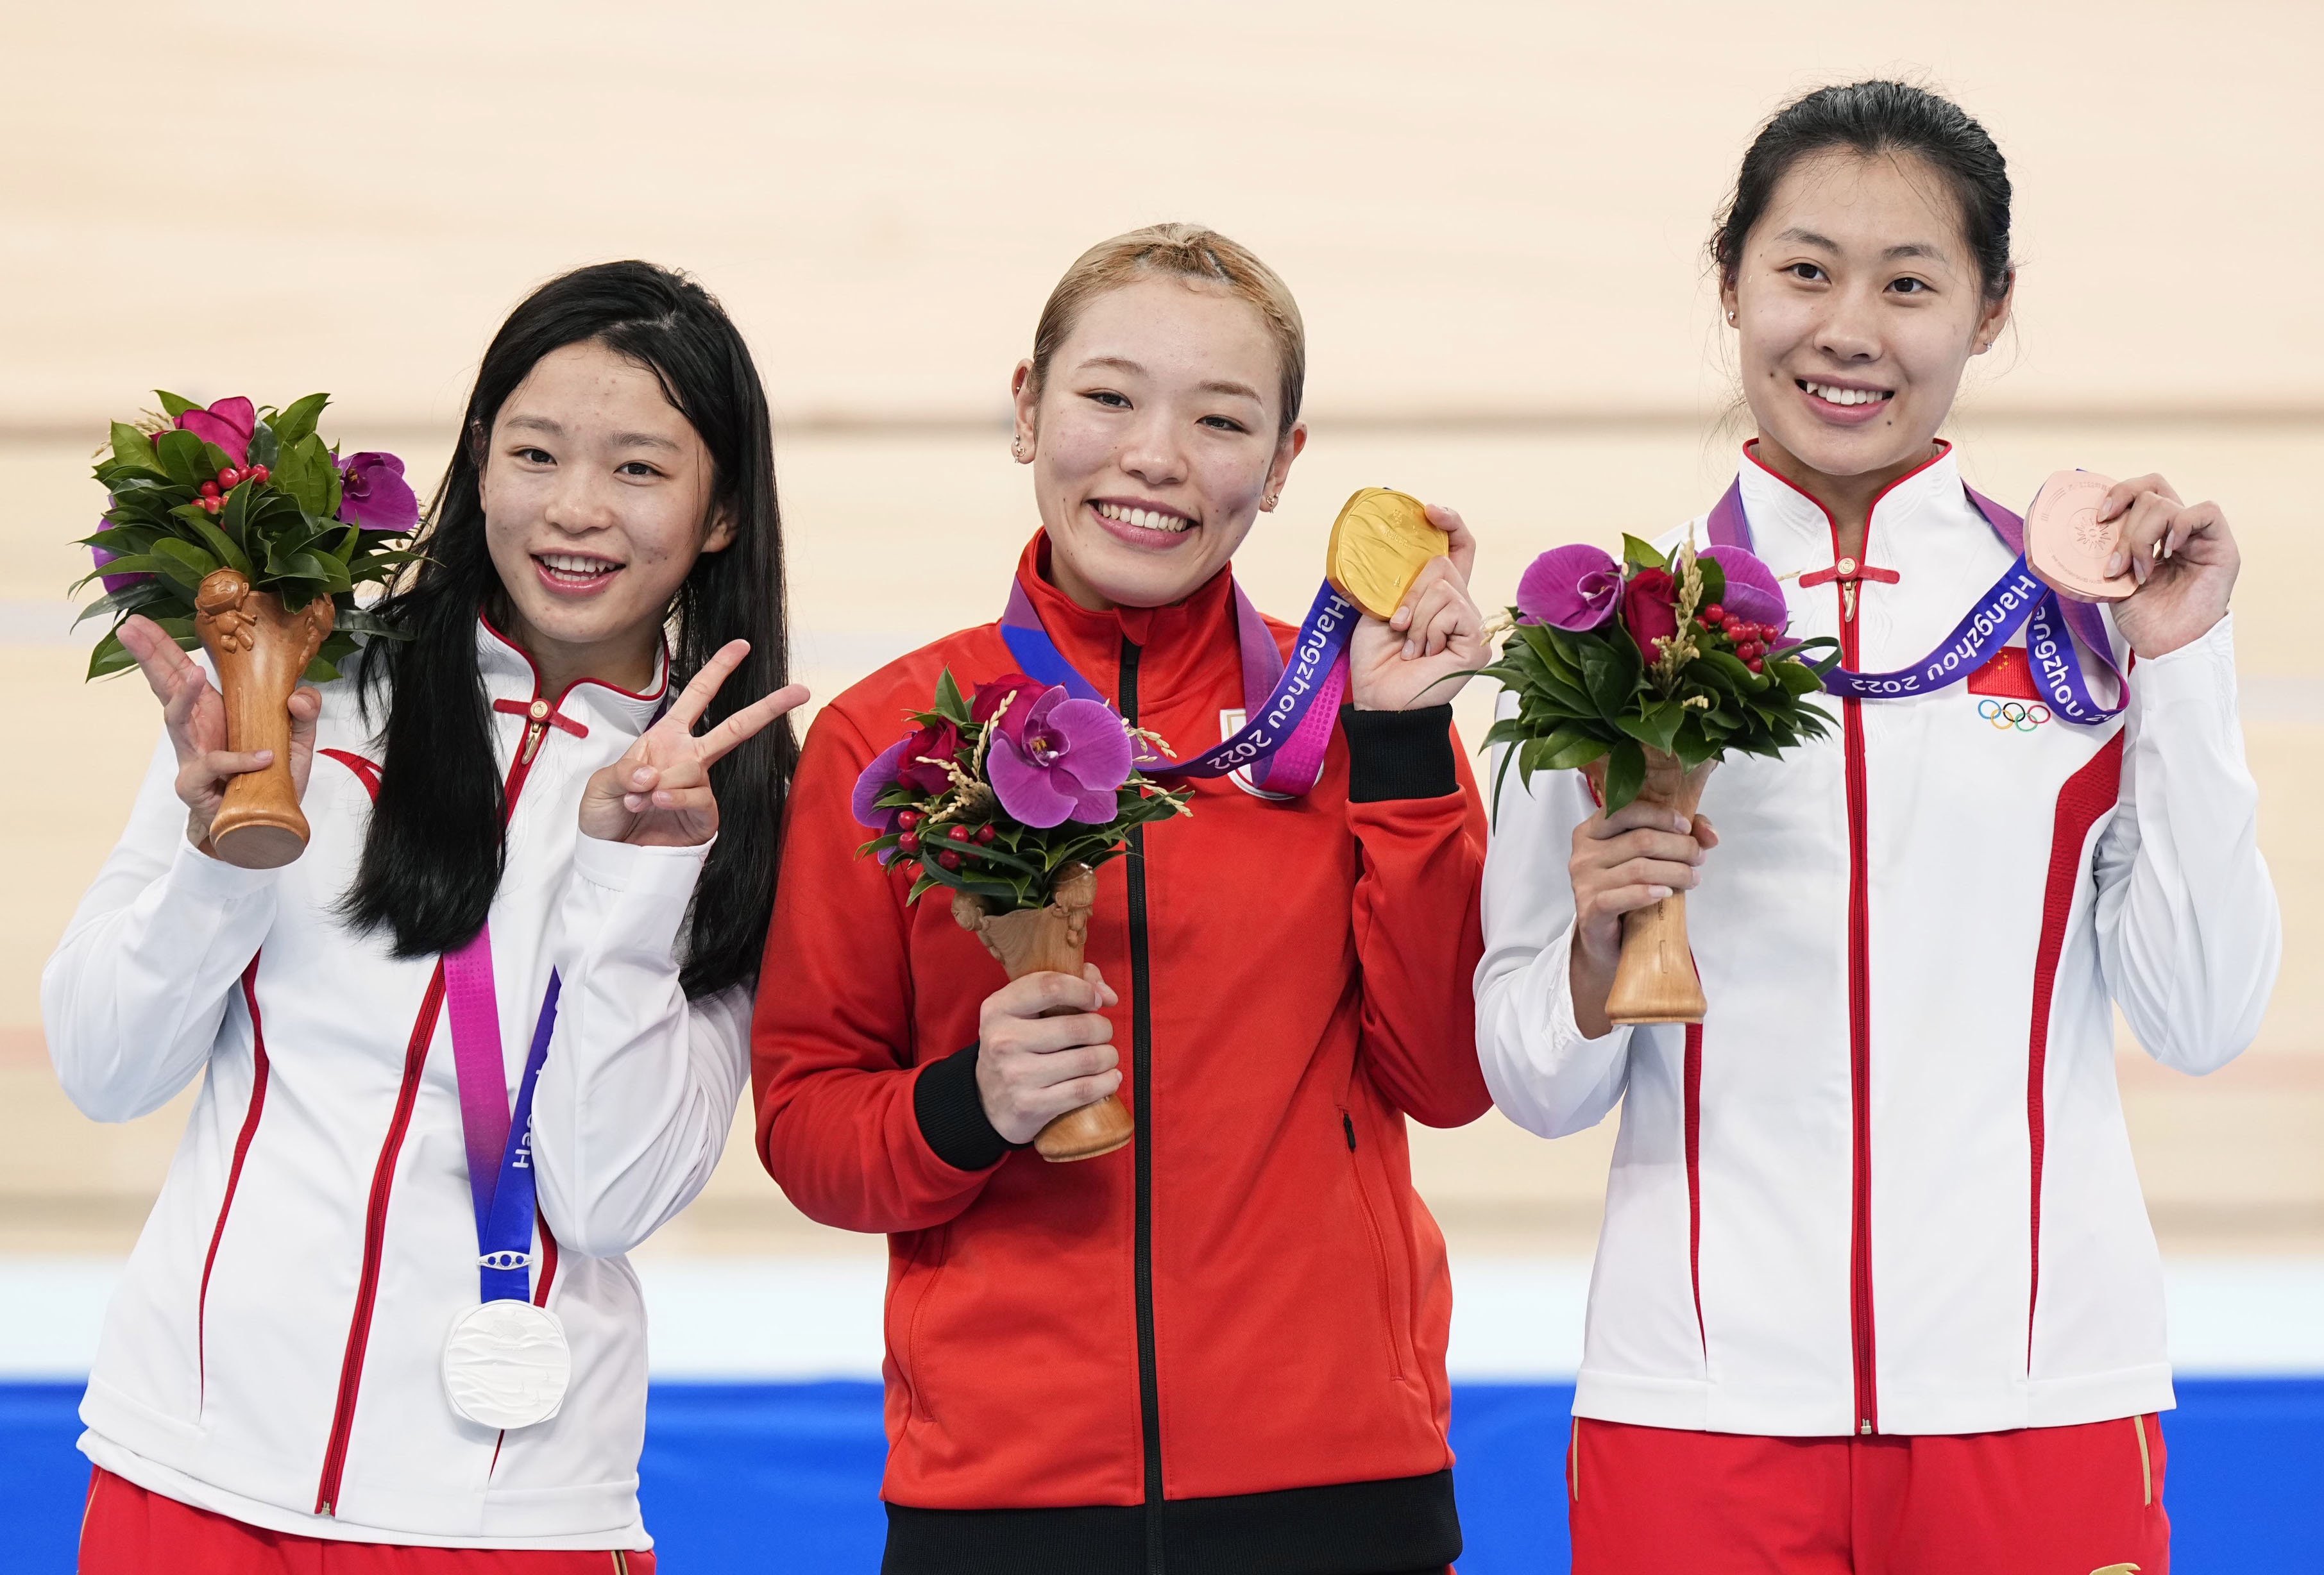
<point>1178,251</point>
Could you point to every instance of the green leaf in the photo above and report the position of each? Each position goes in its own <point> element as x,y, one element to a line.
<point>1610,670</point>
<point>221,544</point>
<point>133,451</point>
<point>182,456</point>
<point>184,562</point>
<point>950,703</point>
<point>1626,773</point>
<point>1657,727</point>
<point>303,471</point>
<point>1714,581</point>
<point>1570,748</point>
<point>1640,555</point>
<point>296,422</point>
<point>265,448</point>
<point>174,405</point>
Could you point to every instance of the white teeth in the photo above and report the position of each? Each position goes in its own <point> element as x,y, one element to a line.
<point>1144,519</point>
<point>1844,396</point>
<point>565,563</point>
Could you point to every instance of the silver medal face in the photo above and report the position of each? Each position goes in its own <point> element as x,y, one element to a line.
<point>506,1365</point>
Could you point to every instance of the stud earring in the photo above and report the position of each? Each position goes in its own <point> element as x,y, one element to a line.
<point>1016,447</point>
<point>1269,500</point>
<point>1730,319</point>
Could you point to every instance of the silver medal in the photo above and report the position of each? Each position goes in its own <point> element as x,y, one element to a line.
<point>506,1364</point>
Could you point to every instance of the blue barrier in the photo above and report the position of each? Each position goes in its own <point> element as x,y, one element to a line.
<point>781,1477</point>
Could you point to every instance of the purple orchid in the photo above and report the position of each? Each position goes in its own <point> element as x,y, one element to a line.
<point>374,495</point>
<point>1572,587</point>
<point>1753,591</point>
<point>228,423</point>
<point>1068,760</point>
<point>877,779</point>
<point>112,582</point>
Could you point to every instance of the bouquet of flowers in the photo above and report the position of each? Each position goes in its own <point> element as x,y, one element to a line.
<point>252,492</point>
<point>1012,799</point>
<point>238,531</point>
<point>1644,675</point>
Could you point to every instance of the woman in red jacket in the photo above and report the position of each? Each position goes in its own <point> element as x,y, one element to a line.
<point>1221,1346</point>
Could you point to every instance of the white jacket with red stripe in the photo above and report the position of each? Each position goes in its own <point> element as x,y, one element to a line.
<point>1885,1186</point>
<point>272,1352</point>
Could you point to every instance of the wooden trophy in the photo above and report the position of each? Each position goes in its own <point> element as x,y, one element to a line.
<point>1654,980</point>
<point>1049,940</point>
<point>259,651</point>
<point>2067,546</point>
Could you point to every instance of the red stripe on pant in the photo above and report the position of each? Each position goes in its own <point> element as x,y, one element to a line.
<point>129,1531</point>
<point>1655,1501</point>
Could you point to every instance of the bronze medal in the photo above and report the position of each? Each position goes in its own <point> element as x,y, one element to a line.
<point>1381,542</point>
<point>2066,545</point>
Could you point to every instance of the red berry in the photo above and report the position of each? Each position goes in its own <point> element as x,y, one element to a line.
<point>949,859</point>
<point>959,834</point>
<point>909,843</point>
<point>1713,614</point>
<point>1756,665</point>
<point>910,819</point>
<point>209,489</point>
<point>225,476</point>
<point>261,473</point>
<point>984,834</point>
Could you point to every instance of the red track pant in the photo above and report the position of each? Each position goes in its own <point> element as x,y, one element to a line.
<point>131,1531</point>
<point>2083,1500</point>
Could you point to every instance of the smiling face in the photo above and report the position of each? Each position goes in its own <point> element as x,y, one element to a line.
<point>1154,440</point>
<point>596,493</point>
<point>1858,304</point>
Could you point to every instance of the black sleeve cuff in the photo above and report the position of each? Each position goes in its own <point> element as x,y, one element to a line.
<point>1400,754</point>
<point>952,1116</point>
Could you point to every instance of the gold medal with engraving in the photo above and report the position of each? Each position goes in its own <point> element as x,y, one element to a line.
<point>1381,542</point>
<point>2067,546</point>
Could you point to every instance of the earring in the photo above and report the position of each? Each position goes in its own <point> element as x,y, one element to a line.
<point>1269,500</point>
<point>1730,319</point>
<point>1016,447</point>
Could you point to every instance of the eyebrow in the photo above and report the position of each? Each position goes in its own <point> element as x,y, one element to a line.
<point>1208,385</point>
<point>1909,249</point>
<point>621,439</point>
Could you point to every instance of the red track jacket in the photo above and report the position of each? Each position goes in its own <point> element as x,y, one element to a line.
<point>1247,1299</point>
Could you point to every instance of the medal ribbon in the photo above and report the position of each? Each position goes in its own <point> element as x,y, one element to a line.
<point>2018,599</point>
<point>501,1182</point>
<point>1292,707</point>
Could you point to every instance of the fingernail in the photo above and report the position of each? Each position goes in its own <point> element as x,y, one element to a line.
<point>1408,651</point>
<point>263,757</point>
<point>1680,823</point>
<point>2114,563</point>
<point>1660,892</point>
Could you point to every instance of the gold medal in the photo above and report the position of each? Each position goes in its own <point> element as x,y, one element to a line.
<point>2067,546</point>
<point>1381,542</point>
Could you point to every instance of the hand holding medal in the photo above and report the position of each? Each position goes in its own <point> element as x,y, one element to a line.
<point>2167,565</point>
<point>1406,565</point>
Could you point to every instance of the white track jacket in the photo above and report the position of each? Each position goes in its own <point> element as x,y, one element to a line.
<point>1885,1186</point>
<point>272,1352</point>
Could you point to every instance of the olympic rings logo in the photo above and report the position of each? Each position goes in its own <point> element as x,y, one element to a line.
<point>2010,716</point>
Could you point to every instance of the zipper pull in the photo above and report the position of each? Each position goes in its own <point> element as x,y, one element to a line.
<point>536,728</point>
<point>1348,1125</point>
<point>1848,600</point>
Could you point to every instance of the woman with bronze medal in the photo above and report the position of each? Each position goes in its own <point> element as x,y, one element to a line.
<point>486,1031</point>
<point>1876,1287</point>
<point>1214,1340</point>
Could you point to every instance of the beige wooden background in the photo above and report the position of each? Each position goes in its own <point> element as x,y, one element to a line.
<point>1492,215</point>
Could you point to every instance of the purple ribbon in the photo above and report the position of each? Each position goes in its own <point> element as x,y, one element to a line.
<point>1291,706</point>
<point>2018,599</point>
<point>501,1183</point>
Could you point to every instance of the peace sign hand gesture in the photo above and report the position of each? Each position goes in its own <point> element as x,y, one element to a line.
<point>658,796</point>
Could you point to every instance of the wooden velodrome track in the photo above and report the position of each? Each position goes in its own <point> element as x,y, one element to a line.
<point>1492,216</point>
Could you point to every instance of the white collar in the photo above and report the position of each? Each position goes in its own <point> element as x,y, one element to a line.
<point>1791,531</point>
<point>509,674</point>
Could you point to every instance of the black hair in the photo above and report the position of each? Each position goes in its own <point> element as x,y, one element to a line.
<point>433,857</point>
<point>1872,118</point>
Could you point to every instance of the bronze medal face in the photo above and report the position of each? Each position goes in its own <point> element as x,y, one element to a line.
<point>1381,542</point>
<point>2065,544</point>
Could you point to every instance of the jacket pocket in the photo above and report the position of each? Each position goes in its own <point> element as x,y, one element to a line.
<point>1371,1202</point>
<point>915,1282</point>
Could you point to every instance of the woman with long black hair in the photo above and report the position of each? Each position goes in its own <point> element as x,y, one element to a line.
<point>376,1307</point>
<point>1876,1288</point>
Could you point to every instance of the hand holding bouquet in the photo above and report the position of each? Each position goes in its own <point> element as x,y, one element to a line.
<point>1645,674</point>
<point>1013,800</point>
